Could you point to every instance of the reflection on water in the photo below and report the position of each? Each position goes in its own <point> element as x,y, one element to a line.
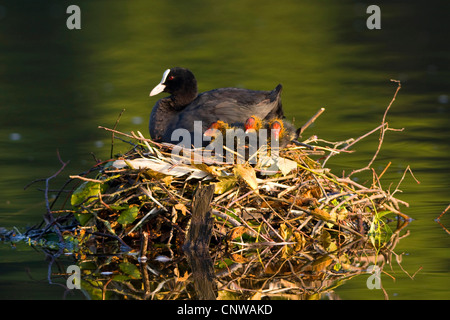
<point>274,272</point>
<point>57,86</point>
<point>236,272</point>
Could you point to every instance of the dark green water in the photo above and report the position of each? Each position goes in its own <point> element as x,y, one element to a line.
<point>57,85</point>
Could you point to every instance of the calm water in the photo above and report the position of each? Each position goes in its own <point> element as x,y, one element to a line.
<point>57,85</point>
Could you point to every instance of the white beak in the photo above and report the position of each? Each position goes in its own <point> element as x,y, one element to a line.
<point>158,89</point>
<point>161,86</point>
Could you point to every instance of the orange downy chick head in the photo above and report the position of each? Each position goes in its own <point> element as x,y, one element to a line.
<point>215,128</point>
<point>252,124</point>
<point>277,129</point>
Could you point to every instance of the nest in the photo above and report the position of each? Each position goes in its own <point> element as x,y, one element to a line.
<point>266,229</point>
<point>265,222</point>
<point>271,197</point>
<point>150,190</point>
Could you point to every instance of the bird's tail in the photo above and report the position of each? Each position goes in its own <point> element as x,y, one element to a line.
<point>275,95</point>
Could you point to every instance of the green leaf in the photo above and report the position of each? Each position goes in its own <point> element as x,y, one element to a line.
<point>379,231</point>
<point>337,266</point>
<point>227,295</point>
<point>107,225</point>
<point>327,242</point>
<point>83,217</point>
<point>103,179</point>
<point>130,269</point>
<point>121,278</point>
<point>128,215</point>
<point>118,207</point>
<point>86,190</point>
<point>381,214</point>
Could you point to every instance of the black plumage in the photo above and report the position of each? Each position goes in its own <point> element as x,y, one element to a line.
<point>184,105</point>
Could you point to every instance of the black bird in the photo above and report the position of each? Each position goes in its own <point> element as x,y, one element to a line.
<point>185,105</point>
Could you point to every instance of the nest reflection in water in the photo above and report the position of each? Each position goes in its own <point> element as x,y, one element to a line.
<point>267,272</point>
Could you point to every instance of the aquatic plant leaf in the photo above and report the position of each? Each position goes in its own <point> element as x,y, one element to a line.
<point>120,278</point>
<point>118,207</point>
<point>379,231</point>
<point>128,215</point>
<point>93,289</point>
<point>342,214</point>
<point>130,269</point>
<point>381,214</point>
<point>275,163</point>
<point>83,217</point>
<point>154,174</point>
<point>86,190</point>
<point>103,179</point>
<point>107,225</point>
<point>247,174</point>
<point>265,161</point>
<point>256,296</point>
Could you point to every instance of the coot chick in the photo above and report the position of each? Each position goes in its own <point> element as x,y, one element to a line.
<point>184,105</point>
<point>253,124</point>
<point>238,149</point>
<point>282,131</point>
<point>215,128</point>
<point>222,130</point>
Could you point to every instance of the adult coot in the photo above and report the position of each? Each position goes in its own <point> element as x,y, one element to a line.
<point>184,106</point>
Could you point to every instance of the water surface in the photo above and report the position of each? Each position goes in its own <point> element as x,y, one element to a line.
<point>57,85</point>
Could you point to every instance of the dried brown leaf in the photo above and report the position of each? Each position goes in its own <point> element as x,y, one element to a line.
<point>181,207</point>
<point>239,258</point>
<point>247,174</point>
<point>224,184</point>
<point>237,232</point>
<point>322,263</point>
<point>321,214</point>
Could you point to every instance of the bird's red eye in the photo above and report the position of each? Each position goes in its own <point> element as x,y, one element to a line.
<point>170,77</point>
